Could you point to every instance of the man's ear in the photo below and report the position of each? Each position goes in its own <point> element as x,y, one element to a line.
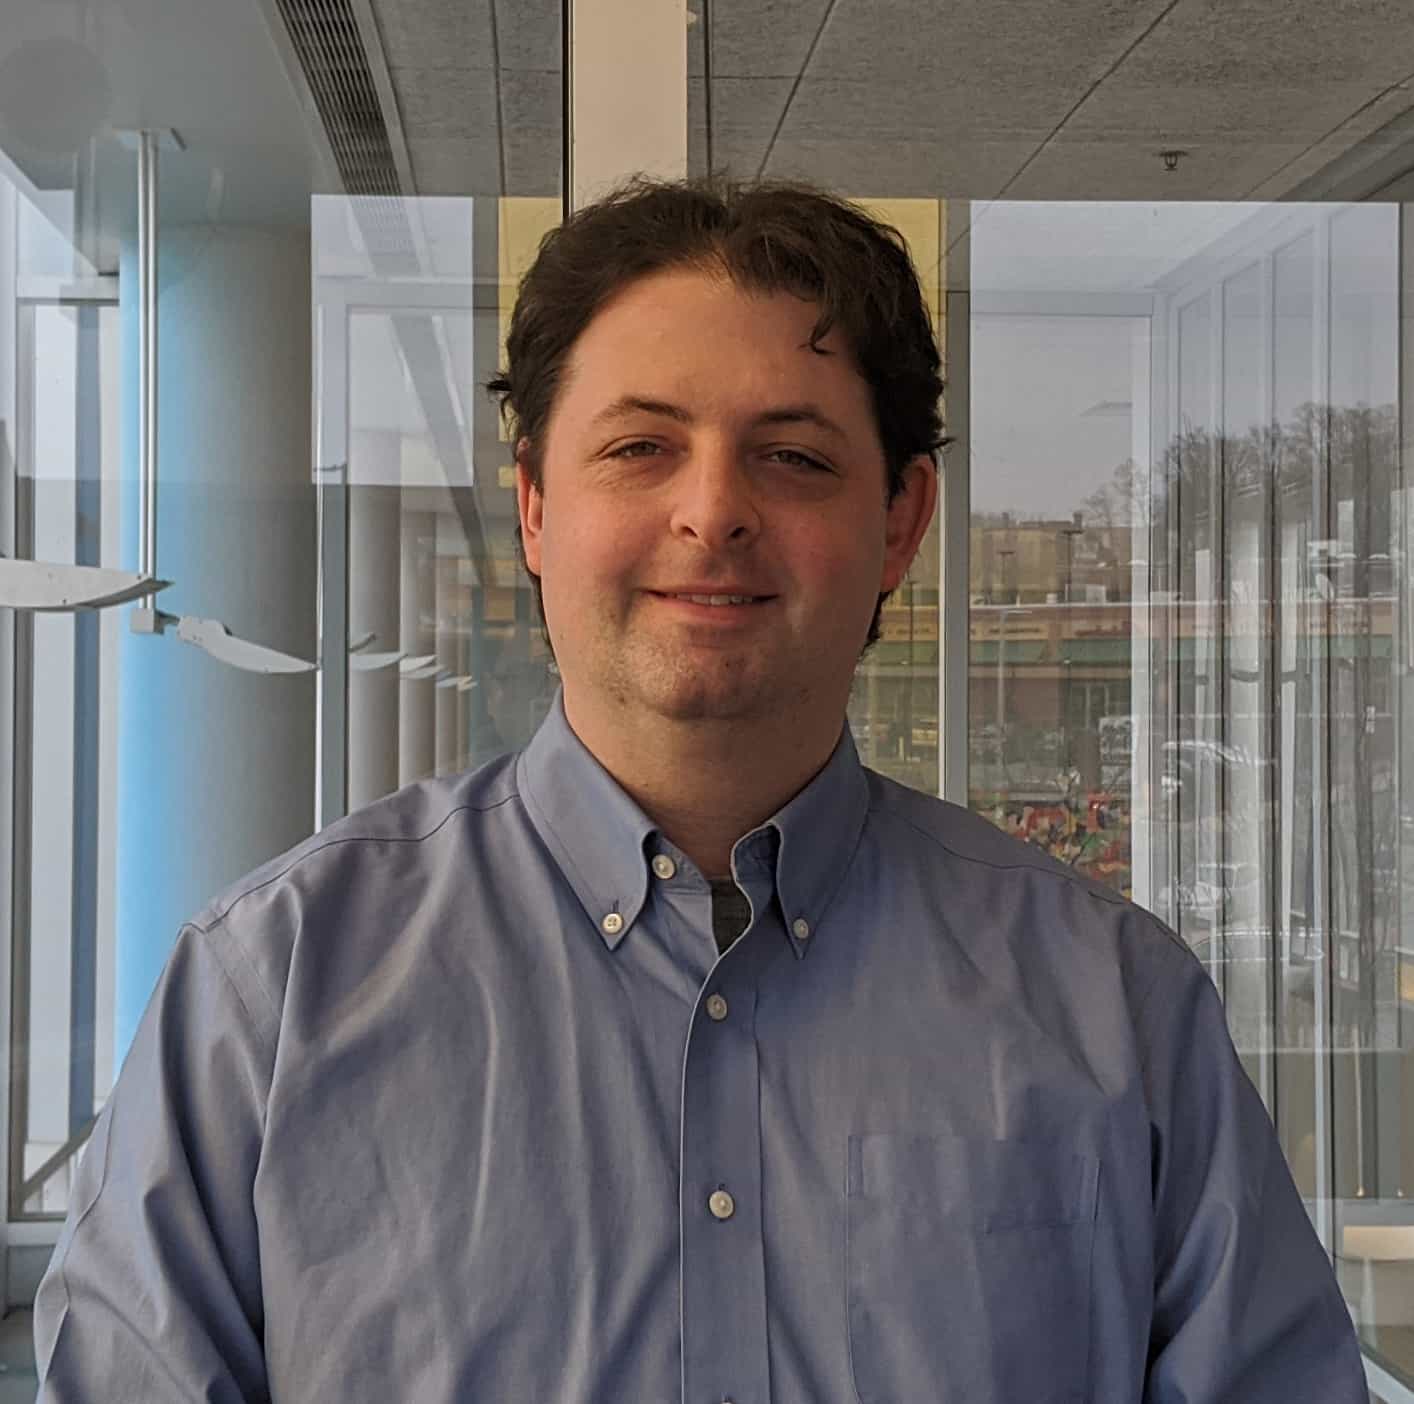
<point>908,518</point>
<point>530,504</point>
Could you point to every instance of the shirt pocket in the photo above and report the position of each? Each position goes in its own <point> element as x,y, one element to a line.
<point>967,1269</point>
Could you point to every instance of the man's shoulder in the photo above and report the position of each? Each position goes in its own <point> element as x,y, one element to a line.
<point>1002,873</point>
<point>972,839</point>
<point>393,836</point>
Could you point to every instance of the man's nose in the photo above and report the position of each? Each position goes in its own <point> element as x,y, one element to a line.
<point>716,502</point>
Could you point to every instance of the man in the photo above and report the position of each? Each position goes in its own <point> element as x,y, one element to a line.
<point>678,1056</point>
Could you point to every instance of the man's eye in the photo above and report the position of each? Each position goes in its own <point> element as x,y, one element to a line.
<point>628,450</point>
<point>803,459</point>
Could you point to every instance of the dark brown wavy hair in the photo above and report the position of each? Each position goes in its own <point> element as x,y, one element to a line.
<point>767,237</point>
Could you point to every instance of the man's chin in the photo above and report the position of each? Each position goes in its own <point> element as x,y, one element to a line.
<point>702,698</point>
<point>705,702</point>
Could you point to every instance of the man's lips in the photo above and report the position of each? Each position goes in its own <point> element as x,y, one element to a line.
<point>714,597</point>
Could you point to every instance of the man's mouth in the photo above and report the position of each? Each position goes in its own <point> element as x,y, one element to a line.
<point>716,601</point>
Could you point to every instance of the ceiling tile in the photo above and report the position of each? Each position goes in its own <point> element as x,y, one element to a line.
<point>921,106</point>
<point>529,34</point>
<point>1248,43</point>
<point>446,102</point>
<point>761,38</point>
<point>532,102</point>
<point>737,155</point>
<point>532,132</point>
<point>1023,44</point>
<point>1187,116</point>
<point>533,166</point>
<point>744,115</point>
<point>911,97</point>
<point>435,33</point>
<point>899,169</point>
<point>455,166</point>
<point>1096,168</point>
<point>747,105</point>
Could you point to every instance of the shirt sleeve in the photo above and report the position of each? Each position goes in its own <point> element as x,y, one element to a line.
<point>1247,1309</point>
<point>153,1295</point>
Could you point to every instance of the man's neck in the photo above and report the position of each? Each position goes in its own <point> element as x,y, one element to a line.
<point>706,787</point>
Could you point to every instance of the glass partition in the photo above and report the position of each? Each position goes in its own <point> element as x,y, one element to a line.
<point>447,666</point>
<point>1199,465</point>
<point>63,479</point>
<point>164,748</point>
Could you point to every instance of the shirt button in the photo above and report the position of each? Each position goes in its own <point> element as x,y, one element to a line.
<point>716,1007</point>
<point>664,866</point>
<point>613,923</point>
<point>801,927</point>
<point>722,1205</point>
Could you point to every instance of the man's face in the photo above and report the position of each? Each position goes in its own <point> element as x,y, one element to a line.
<point>697,440</point>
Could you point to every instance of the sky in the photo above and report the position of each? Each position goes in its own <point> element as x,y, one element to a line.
<point>1036,452</point>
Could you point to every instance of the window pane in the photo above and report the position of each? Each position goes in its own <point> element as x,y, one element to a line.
<point>1056,499</point>
<point>1265,634</point>
<point>1300,1102</point>
<point>1245,703</point>
<point>68,512</point>
<point>449,666</point>
<point>1355,567</point>
<point>150,771</point>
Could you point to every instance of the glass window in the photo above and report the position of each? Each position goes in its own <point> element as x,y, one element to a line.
<point>893,702</point>
<point>1243,429</point>
<point>447,664</point>
<point>67,512</point>
<point>1053,522</point>
<point>341,209</point>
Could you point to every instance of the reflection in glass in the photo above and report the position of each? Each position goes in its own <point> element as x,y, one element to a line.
<point>1354,567</point>
<point>1300,1101</point>
<point>1269,549</point>
<point>1244,682</point>
<point>66,491</point>
<point>447,669</point>
<point>1052,568</point>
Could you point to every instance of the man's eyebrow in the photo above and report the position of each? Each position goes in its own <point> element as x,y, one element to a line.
<point>637,404</point>
<point>801,414</point>
<point>782,414</point>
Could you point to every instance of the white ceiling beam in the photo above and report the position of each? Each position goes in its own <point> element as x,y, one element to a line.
<point>628,94</point>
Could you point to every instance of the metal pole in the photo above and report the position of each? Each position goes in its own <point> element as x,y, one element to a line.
<point>147,354</point>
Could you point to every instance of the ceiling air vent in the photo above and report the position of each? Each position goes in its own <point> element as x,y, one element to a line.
<point>330,50</point>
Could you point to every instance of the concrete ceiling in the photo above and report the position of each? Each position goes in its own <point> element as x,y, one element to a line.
<point>1031,99</point>
<point>479,91</point>
<point>968,99</point>
<point>973,99</point>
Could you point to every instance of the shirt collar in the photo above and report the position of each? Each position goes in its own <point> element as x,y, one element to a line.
<point>594,830</point>
<point>817,832</point>
<point>604,843</point>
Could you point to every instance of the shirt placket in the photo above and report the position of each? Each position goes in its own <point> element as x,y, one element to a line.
<point>723,1277</point>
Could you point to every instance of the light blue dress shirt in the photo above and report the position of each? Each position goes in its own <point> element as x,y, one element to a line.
<point>458,1101</point>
